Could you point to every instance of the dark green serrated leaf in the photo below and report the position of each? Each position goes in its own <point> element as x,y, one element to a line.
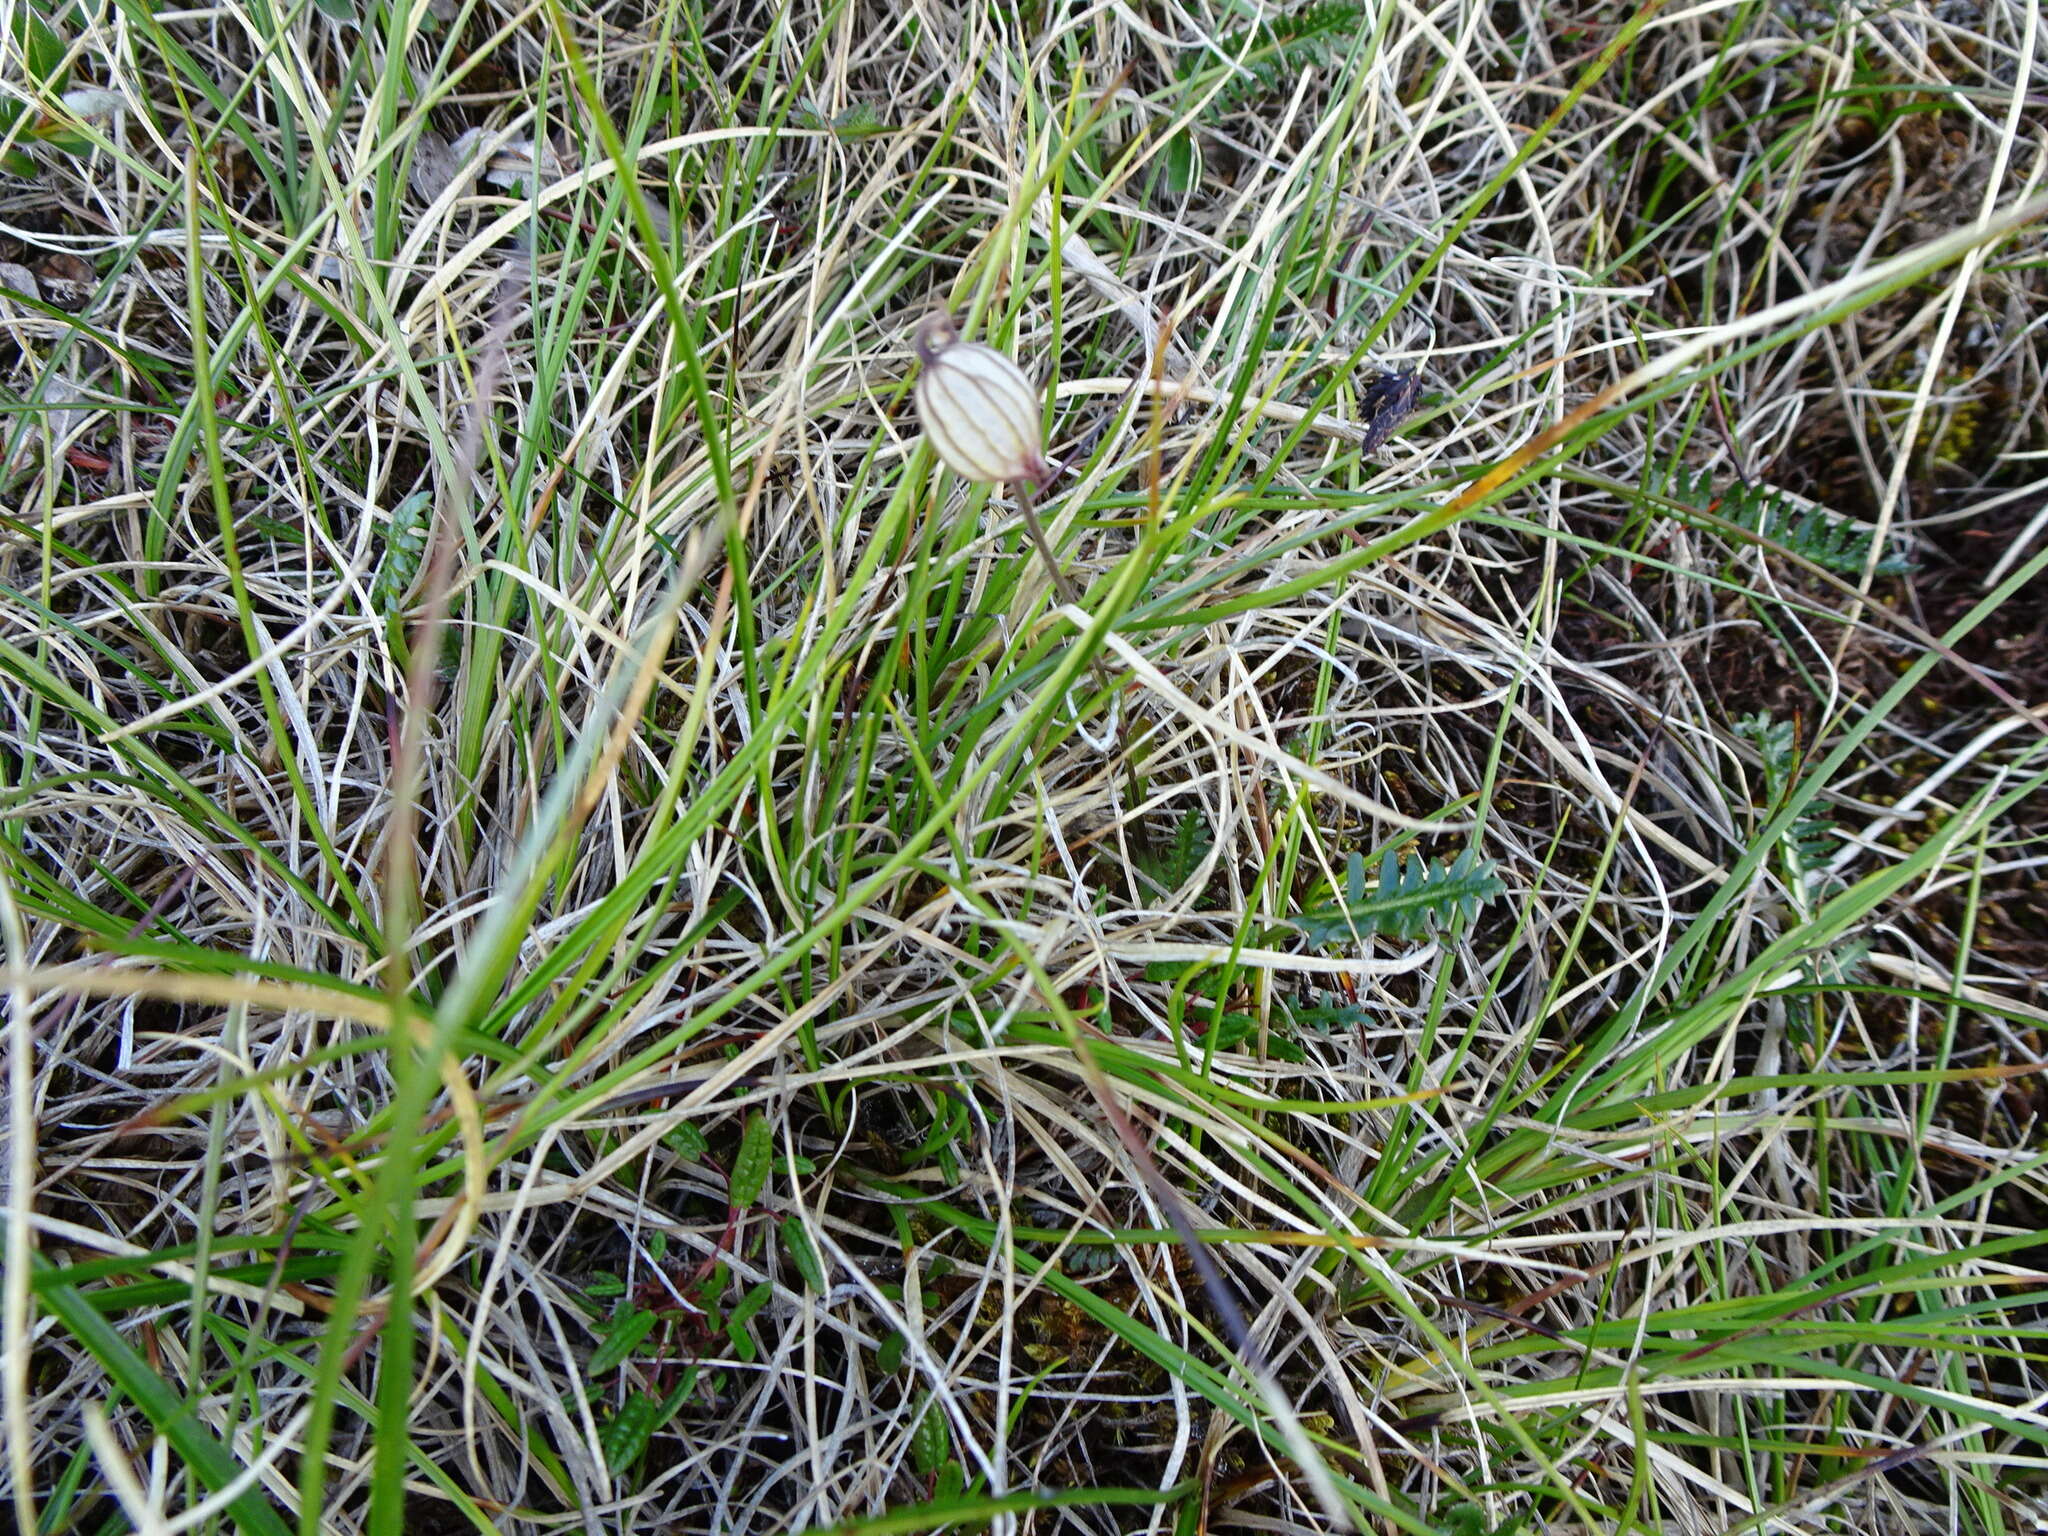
<point>1842,965</point>
<point>1777,743</point>
<point>1327,1017</point>
<point>1266,57</point>
<point>751,1163</point>
<point>1173,864</point>
<point>859,121</point>
<point>1811,841</point>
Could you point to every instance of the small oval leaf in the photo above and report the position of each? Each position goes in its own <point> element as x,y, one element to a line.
<point>736,1325</point>
<point>750,1164</point>
<point>929,1442</point>
<point>630,1430</point>
<point>620,1340</point>
<point>687,1142</point>
<point>803,1253</point>
<point>749,1304</point>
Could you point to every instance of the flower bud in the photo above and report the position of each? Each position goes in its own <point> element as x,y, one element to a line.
<point>978,409</point>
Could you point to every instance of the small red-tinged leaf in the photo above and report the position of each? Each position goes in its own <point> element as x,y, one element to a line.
<point>620,1340</point>
<point>750,1164</point>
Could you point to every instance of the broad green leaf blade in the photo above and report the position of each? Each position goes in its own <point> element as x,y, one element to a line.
<point>214,1464</point>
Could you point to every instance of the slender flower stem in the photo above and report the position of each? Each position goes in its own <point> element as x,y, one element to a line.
<point>1060,581</point>
<point>1070,596</point>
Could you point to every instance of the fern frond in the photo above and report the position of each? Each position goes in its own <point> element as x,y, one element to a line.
<point>1172,865</point>
<point>1267,56</point>
<point>1328,1017</point>
<point>1776,743</point>
<point>1813,841</point>
<point>1411,896</point>
<point>1834,544</point>
<point>405,547</point>
<point>862,120</point>
<point>1841,966</point>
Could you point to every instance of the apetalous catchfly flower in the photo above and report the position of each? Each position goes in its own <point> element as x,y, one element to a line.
<point>978,408</point>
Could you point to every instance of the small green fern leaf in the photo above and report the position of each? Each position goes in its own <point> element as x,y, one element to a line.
<point>405,547</point>
<point>1266,57</point>
<point>1841,967</point>
<point>1776,743</point>
<point>1411,896</point>
<point>1328,1017</point>
<point>1814,840</point>
<point>1834,544</point>
<point>1172,865</point>
<point>860,121</point>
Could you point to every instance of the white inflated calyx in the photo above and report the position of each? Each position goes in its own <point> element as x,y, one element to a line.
<point>978,408</point>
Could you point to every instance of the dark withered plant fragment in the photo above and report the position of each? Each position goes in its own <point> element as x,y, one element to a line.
<point>1384,404</point>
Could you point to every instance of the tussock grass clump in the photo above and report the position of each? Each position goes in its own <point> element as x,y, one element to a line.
<point>1451,941</point>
